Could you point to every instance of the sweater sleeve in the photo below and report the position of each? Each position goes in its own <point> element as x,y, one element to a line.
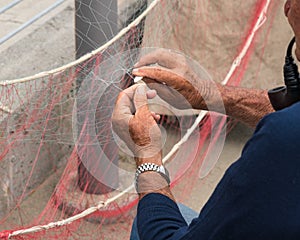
<point>257,198</point>
<point>159,218</point>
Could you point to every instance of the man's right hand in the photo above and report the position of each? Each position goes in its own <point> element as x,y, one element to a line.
<point>172,76</point>
<point>182,83</point>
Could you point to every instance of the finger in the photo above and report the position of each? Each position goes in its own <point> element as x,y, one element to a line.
<point>155,116</point>
<point>172,96</point>
<point>123,107</point>
<point>124,101</point>
<point>162,57</point>
<point>140,98</point>
<point>124,104</point>
<point>161,75</point>
<point>129,92</point>
<point>151,94</point>
<point>162,90</point>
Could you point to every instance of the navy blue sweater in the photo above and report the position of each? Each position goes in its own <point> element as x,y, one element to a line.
<point>258,197</point>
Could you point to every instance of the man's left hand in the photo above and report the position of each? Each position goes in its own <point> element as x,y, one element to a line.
<point>136,125</point>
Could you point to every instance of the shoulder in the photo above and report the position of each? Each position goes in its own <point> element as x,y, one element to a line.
<point>276,136</point>
<point>285,122</point>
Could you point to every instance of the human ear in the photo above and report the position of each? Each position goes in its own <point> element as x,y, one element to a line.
<point>287,7</point>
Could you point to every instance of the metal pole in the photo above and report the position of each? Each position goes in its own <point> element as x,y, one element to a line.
<point>96,22</point>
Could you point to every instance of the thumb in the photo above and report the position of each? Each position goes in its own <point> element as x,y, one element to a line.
<point>140,98</point>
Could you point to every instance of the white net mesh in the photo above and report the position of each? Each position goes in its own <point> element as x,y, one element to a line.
<point>38,148</point>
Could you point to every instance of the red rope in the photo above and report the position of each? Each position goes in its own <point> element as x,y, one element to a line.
<point>5,234</point>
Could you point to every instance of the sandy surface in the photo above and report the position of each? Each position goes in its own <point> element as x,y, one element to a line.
<point>53,45</point>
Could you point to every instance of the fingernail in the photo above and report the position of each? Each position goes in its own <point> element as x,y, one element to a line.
<point>152,91</point>
<point>135,70</point>
<point>137,79</point>
<point>135,65</point>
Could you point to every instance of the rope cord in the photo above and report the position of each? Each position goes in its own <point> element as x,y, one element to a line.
<point>260,21</point>
<point>87,56</point>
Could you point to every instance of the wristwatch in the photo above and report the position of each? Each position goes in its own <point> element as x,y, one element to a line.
<point>145,167</point>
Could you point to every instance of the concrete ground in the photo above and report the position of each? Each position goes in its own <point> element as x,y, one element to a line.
<point>54,51</point>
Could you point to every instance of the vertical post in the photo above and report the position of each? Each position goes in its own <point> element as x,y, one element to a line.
<point>96,22</point>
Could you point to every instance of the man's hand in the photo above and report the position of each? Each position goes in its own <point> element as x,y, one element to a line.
<point>175,81</point>
<point>136,125</point>
<point>292,11</point>
<point>245,105</point>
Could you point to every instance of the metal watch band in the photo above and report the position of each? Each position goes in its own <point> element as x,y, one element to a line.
<point>145,167</point>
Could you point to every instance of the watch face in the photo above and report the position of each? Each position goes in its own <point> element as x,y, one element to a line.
<point>162,169</point>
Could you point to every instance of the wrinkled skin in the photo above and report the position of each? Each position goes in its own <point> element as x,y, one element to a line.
<point>292,12</point>
<point>136,125</point>
<point>174,80</point>
<point>170,75</point>
<point>138,128</point>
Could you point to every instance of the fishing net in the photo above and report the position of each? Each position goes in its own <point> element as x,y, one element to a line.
<point>56,129</point>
